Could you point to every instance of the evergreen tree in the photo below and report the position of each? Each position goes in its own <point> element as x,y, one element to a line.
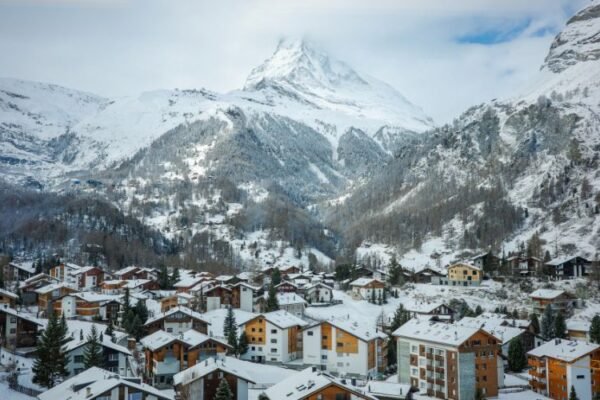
<point>379,299</point>
<point>126,301</point>
<point>548,323</point>
<point>92,356</point>
<point>50,365</point>
<point>232,341</point>
<point>479,394</point>
<point>573,394</point>
<point>141,310</point>
<point>478,310</point>
<point>391,351</point>
<point>223,391</point>
<point>401,316</point>
<point>110,330</point>
<point>535,323</point>
<point>516,356</point>
<point>560,326</point>
<point>163,277</point>
<point>385,297</point>
<point>175,277</point>
<point>276,277</point>
<point>242,344</point>
<point>595,329</point>
<point>229,324</point>
<point>272,302</point>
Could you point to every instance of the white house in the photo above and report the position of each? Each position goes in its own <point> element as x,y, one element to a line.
<point>318,293</point>
<point>367,288</point>
<point>345,347</point>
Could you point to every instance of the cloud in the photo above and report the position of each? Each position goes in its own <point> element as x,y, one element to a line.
<point>124,47</point>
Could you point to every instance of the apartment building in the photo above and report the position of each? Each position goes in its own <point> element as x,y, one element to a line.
<point>86,305</point>
<point>448,361</point>
<point>275,336</point>
<point>560,364</point>
<point>345,347</point>
<point>48,294</point>
<point>559,300</point>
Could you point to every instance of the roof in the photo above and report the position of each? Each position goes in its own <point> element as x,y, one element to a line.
<point>283,319</point>
<point>564,350</point>
<point>189,281</point>
<point>314,285</point>
<point>92,297</point>
<point>217,318</point>
<point>157,340</point>
<point>494,326</point>
<point>561,260</point>
<point>362,331</point>
<point>8,294</point>
<point>389,390</point>
<point>208,366</point>
<point>94,382</point>
<point>28,317</point>
<point>548,294</point>
<point>424,307</point>
<point>27,266</point>
<point>286,299</point>
<point>578,325</point>
<point>437,332</point>
<point>126,270</point>
<point>53,286</point>
<point>364,281</point>
<point>77,342</point>
<point>307,382</point>
<point>464,264</point>
<point>174,310</point>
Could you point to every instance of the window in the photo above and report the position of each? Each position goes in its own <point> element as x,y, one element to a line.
<point>78,359</point>
<point>324,357</point>
<point>273,330</point>
<point>339,344</point>
<point>580,376</point>
<point>253,348</point>
<point>170,330</point>
<point>309,333</point>
<point>13,330</point>
<point>273,350</point>
<point>253,329</point>
<point>13,320</point>
<point>115,356</point>
<point>273,340</point>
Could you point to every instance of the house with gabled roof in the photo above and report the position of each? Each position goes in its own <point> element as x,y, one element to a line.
<point>48,294</point>
<point>560,301</point>
<point>201,381</point>
<point>568,267</point>
<point>177,320</point>
<point>167,354</point>
<point>311,383</point>
<point>345,346</point>
<point>274,336</point>
<point>367,288</point>
<point>462,274</point>
<point>18,329</point>
<point>99,384</point>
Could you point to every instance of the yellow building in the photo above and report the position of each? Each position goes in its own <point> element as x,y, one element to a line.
<point>463,274</point>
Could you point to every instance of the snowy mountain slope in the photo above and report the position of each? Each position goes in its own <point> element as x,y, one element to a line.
<point>501,172</point>
<point>298,83</point>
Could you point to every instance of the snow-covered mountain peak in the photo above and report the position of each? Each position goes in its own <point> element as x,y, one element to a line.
<point>300,72</point>
<point>578,42</point>
<point>302,64</point>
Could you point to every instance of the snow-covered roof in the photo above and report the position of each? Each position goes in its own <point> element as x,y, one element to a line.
<point>364,281</point>
<point>95,382</point>
<point>83,270</point>
<point>286,299</point>
<point>283,319</point>
<point>53,286</point>
<point>494,326</point>
<point>174,310</point>
<point>436,332</point>
<point>362,331</point>
<point>157,340</point>
<point>464,264</point>
<point>125,270</point>
<point>224,278</point>
<point>423,307</point>
<point>4,308</point>
<point>578,325</point>
<point>315,285</point>
<point>189,281</point>
<point>388,390</point>
<point>561,260</point>
<point>77,342</point>
<point>303,384</point>
<point>195,338</point>
<point>217,319</point>
<point>95,297</point>
<point>209,366</point>
<point>27,266</point>
<point>8,294</point>
<point>548,294</point>
<point>564,350</point>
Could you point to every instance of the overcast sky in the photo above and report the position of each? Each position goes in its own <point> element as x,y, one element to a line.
<point>443,55</point>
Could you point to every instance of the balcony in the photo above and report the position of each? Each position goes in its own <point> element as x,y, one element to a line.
<point>537,385</point>
<point>538,373</point>
<point>439,358</point>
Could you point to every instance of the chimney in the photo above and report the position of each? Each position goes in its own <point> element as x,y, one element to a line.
<point>131,343</point>
<point>314,369</point>
<point>88,391</point>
